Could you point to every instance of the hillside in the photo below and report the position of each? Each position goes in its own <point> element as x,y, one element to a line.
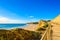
<point>56,20</point>
<point>33,26</point>
<point>31,32</point>
<point>19,34</point>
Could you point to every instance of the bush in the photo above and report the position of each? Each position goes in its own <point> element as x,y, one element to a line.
<point>46,25</point>
<point>19,34</point>
<point>40,29</point>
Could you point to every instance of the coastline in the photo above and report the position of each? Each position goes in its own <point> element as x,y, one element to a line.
<point>11,26</point>
<point>31,27</point>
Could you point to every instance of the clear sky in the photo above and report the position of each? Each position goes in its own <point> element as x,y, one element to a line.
<point>28,10</point>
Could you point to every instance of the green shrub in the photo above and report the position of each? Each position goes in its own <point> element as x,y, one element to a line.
<point>40,29</point>
<point>46,25</point>
<point>19,34</point>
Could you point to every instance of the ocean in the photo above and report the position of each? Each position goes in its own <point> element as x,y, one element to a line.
<point>10,26</point>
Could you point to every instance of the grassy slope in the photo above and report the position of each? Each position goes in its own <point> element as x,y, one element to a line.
<point>19,34</point>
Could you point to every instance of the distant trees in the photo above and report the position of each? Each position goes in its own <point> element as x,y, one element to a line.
<point>35,22</point>
<point>32,23</point>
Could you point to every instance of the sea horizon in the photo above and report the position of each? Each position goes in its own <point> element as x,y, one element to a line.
<point>12,26</point>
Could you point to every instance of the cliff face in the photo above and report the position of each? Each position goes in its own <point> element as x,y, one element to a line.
<point>19,34</point>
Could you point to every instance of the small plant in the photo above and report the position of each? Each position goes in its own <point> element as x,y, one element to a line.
<point>46,25</point>
<point>40,29</point>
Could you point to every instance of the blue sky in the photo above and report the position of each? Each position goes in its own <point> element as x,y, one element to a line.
<point>28,10</point>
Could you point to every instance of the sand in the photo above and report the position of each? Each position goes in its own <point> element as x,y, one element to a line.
<point>31,27</point>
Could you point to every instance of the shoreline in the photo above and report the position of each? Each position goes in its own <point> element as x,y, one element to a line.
<point>5,27</point>
<point>30,27</point>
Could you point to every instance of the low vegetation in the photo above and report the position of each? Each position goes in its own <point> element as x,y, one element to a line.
<point>41,29</point>
<point>19,34</point>
<point>45,25</point>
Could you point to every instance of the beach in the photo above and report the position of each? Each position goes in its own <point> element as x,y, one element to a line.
<point>31,27</point>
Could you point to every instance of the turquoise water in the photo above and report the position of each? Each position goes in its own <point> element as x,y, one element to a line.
<point>9,26</point>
